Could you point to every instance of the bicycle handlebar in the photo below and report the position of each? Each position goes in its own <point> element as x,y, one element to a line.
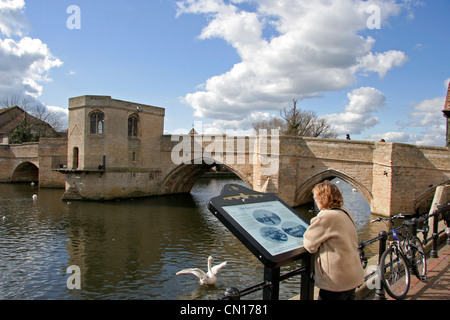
<point>398,216</point>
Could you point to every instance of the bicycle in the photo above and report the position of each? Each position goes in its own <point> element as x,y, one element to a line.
<point>401,258</point>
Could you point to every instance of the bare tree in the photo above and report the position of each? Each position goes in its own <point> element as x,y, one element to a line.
<point>37,110</point>
<point>297,122</point>
<point>37,121</point>
<point>13,101</point>
<point>42,113</point>
<point>274,123</point>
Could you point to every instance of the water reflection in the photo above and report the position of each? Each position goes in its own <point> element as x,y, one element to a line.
<point>128,249</point>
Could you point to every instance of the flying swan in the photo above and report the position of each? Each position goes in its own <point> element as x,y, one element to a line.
<point>205,278</point>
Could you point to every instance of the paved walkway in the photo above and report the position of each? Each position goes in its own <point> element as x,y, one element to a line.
<point>437,286</point>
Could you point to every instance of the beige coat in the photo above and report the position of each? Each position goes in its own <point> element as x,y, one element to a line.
<point>332,237</point>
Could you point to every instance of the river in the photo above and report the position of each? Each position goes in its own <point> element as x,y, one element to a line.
<point>130,249</point>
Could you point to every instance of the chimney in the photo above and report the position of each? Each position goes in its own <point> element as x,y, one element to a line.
<point>446,112</point>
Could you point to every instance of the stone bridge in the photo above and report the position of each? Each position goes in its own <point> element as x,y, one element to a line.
<point>392,177</point>
<point>116,149</point>
<point>34,162</point>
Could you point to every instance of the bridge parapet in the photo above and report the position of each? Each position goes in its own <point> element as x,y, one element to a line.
<point>33,162</point>
<point>105,162</point>
<point>390,176</point>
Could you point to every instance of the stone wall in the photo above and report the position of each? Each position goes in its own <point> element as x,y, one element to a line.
<point>5,163</point>
<point>120,149</point>
<point>34,161</point>
<point>11,156</point>
<point>392,177</point>
<point>52,155</point>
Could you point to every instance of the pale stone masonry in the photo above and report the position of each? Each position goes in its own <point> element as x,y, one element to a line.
<point>35,162</point>
<point>117,149</point>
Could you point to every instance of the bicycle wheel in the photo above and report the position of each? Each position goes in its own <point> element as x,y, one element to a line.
<point>419,261</point>
<point>394,273</point>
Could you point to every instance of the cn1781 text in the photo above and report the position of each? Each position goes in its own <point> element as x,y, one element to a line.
<point>229,309</point>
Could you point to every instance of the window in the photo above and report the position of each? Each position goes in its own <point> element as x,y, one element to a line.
<point>97,120</point>
<point>75,158</point>
<point>132,125</point>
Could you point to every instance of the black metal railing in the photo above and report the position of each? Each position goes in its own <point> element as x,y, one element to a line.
<point>272,279</point>
<point>442,210</point>
<point>271,284</point>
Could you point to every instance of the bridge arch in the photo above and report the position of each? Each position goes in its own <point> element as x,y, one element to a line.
<point>303,193</point>
<point>183,177</point>
<point>421,201</point>
<point>25,172</point>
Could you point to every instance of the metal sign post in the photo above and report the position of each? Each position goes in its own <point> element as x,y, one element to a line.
<point>268,227</point>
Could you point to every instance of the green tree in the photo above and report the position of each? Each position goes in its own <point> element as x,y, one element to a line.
<point>23,133</point>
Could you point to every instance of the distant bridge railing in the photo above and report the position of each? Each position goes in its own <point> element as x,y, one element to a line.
<point>59,162</point>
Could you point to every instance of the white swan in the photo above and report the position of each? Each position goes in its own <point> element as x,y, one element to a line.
<point>205,278</point>
<point>34,196</point>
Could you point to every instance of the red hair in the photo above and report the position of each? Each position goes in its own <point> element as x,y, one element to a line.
<point>328,195</point>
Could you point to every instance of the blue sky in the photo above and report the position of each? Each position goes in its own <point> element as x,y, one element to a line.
<point>229,63</point>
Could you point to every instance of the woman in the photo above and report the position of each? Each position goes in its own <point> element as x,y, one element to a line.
<point>332,237</point>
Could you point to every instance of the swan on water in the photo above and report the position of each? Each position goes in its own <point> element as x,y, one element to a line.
<point>205,278</point>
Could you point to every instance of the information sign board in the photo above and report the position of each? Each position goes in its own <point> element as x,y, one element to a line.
<point>266,225</point>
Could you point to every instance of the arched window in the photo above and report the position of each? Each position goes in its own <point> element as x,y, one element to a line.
<point>132,125</point>
<point>97,122</point>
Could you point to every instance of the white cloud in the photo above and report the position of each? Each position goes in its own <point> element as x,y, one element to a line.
<point>383,62</point>
<point>61,113</point>
<point>58,110</point>
<point>426,119</point>
<point>237,127</point>
<point>317,47</point>
<point>433,136</point>
<point>241,127</point>
<point>11,17</point>
<point>394,136</point>
<point>428,115</point>
<point>358,114</point>
<point>424,113</point>
<point>24,64</point>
